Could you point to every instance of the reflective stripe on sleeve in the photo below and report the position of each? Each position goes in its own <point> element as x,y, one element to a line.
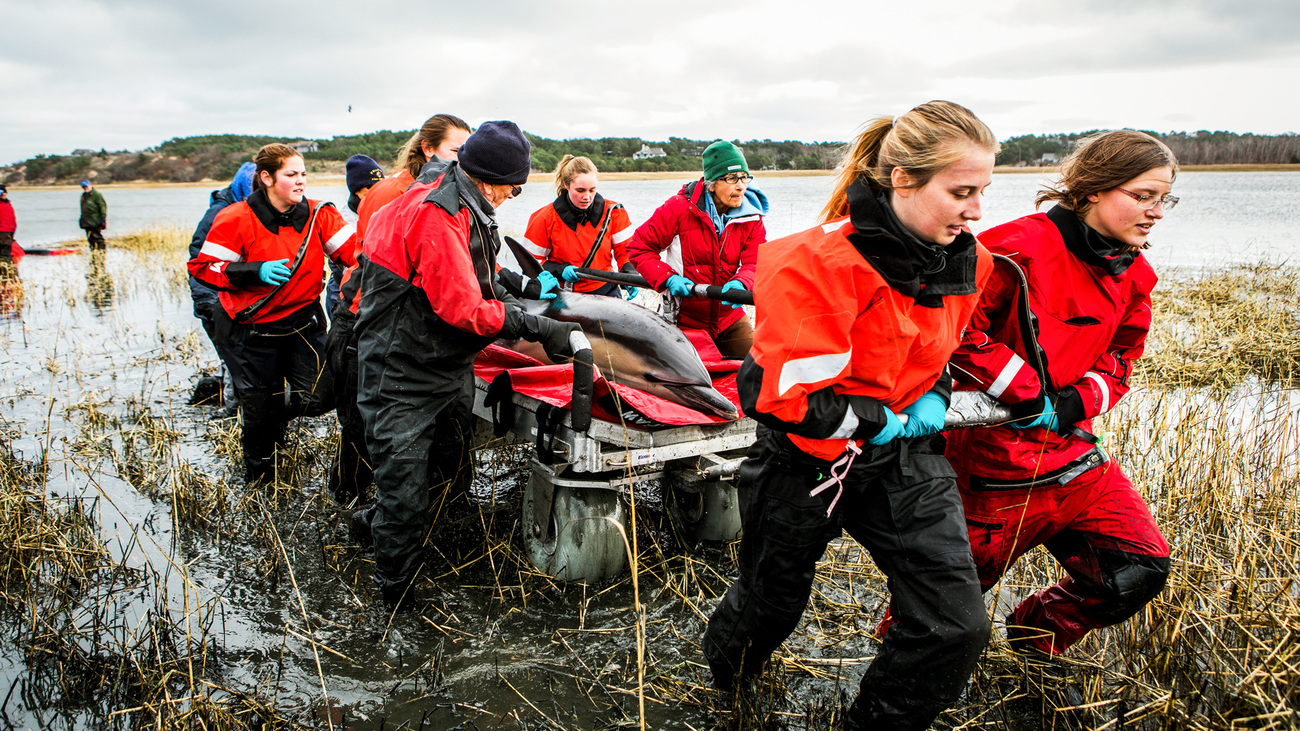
<point>534,249</point>
<point>813,369</point>
<point>1101,386</point>
<point>1007,375</point>
<point>340,238</point>
<point>624,235</point>
<point>217,251</point>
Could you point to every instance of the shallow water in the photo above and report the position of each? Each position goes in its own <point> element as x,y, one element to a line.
<point>498,646</point>
<point>1222,217</point>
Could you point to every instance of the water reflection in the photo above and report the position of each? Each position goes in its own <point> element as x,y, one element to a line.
<point>99,285</point>
<point>11,291</point>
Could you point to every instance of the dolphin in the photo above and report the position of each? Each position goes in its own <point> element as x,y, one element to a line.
<point>632,346</point>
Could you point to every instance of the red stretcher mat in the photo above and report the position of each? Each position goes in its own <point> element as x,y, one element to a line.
<point>553,384</point>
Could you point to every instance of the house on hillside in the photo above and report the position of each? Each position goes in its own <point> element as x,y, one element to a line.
<point>646,152</point>
<point>1048,158</point>
<point>692,152</point>
<point>304,146</point>
<point>83,153</point>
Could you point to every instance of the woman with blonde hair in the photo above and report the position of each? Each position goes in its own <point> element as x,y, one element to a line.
<point>856,320</point>
<point>580,228</point>
<point>437,140</point>
<point>1044,480</point>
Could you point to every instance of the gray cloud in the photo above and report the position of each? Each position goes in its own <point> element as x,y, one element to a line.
<point>130,74</point>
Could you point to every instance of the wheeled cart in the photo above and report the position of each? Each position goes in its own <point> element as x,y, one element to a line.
<point>575,504</point>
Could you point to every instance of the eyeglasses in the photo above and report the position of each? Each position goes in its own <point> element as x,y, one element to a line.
<point>1146,201</point>
<point>733,178</point>
<point>515,190</point>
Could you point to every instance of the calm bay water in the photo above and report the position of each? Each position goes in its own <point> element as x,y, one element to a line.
<point>1223,217</point>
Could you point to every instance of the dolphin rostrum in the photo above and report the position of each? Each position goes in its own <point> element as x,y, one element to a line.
<point>633,346</point>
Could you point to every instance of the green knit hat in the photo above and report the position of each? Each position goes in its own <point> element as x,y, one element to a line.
<point>721,158</point>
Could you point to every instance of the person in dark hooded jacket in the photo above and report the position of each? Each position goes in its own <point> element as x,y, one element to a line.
<point>430,299</point>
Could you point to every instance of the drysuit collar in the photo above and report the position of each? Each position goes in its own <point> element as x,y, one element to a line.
<point>1085,242</point>
<point>273,219</point>
<point>923,271</point>
<point>573,216</point>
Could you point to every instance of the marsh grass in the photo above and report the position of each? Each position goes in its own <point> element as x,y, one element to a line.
<point>105,637</point>
<point>1219,328</point>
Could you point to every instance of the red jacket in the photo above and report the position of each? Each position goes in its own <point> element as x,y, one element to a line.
<point>381,194</point>
<point>679,238</point>
<point>8,223</point>
<point>419,241</point>
<point>248,233</point>
<point>562,235</point>
<point>1093,318</point>
<point>830,325</point>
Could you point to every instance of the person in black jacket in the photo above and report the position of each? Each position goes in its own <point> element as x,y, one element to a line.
<point>205,297</point>
<point>431,298</point>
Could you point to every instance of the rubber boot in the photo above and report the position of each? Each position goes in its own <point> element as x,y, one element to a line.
<point>262,430</point>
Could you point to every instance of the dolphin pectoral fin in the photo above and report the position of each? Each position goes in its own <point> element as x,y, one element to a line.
<point>704,399</point>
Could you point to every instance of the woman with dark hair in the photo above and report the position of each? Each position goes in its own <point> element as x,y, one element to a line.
<point>580,228</point>
<point>856,320</point>
<point>1044,479</point>
<point>266,256</point>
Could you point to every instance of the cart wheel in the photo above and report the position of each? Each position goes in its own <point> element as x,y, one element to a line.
<point>707,511</point>
<point>576,542</point>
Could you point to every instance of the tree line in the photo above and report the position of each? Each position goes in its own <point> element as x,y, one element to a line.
<point>1191,148</point>
<point>216,157</point>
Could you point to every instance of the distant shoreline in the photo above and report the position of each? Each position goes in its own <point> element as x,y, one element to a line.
<point>318,178</point>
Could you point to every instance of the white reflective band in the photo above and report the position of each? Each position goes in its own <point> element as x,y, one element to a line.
<point>846,427</point>
<point>1101,386</point>
<point>830,228</point>
<point>534,249</point>
<point>672,256</point>
<point>624,235</point>
<point>340,238</point>
<point>813,369</point>
<point>1007,375</point>
<point>578,341</point>
<point>217,251</point>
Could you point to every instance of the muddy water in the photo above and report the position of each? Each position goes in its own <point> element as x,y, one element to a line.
<point>97,361</point>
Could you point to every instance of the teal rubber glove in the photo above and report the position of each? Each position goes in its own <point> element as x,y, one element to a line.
<point>1046,420</point>
<point>925,415</point>
<point>892,429</point>
<point>550,285</point>
<point>629,293</point>
<point>274,272</point>
<point>680,286</point>
<point>570,274</point>
<point>734,284</point>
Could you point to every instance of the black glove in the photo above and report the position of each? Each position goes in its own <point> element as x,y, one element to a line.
<point>560,340</point>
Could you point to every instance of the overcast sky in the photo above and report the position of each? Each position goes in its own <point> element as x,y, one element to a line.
<point>120,74</point>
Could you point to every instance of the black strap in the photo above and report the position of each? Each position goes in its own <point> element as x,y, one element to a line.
<point>500,399</point>
<point>245,315</point>
<point>600,236</point>
<point>1029,331</point>
<point>548,422</point>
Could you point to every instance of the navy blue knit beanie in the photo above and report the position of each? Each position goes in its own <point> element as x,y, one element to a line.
<point>497,154</point>
<point>363,172</point>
